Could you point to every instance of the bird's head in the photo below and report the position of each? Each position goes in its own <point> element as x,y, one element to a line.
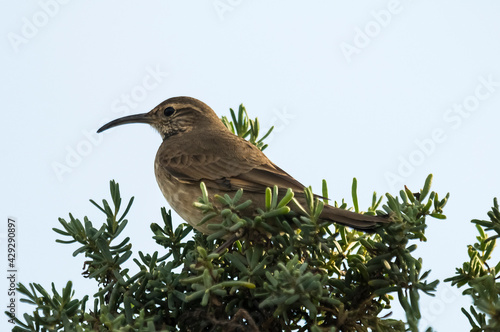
<point>173,116</point>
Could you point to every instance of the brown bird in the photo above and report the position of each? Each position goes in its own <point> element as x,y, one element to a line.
<point>197,147</point>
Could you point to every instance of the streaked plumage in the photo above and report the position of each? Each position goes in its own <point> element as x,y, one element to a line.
<point>198,147</point>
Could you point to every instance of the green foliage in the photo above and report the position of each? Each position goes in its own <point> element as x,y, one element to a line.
<point>302,274</point>
<point>55,312</point>
<point>480,277</point>
<point>283,269</point>
<point>244,127</point>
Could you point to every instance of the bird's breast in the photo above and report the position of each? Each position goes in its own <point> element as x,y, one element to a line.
<point>181,196</point>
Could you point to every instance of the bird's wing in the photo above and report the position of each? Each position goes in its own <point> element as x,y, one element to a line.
<point>244,166</point>
<point>263,176</point>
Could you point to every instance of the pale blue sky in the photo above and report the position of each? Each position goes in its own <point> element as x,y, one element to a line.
<point>385,91</point>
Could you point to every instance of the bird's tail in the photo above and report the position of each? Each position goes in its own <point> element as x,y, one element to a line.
<point>352,219</point>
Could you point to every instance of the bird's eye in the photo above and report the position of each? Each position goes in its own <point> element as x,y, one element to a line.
<point>169,111</point>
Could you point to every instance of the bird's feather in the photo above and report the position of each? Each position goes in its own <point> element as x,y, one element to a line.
<point>231,167</point>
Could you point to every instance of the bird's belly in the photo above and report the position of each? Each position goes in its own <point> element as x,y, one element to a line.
<point>181,196</point>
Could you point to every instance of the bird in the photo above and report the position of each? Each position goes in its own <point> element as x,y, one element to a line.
<point>198,147</point>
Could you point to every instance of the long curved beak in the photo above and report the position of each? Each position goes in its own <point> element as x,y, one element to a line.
<point>136,118</point>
